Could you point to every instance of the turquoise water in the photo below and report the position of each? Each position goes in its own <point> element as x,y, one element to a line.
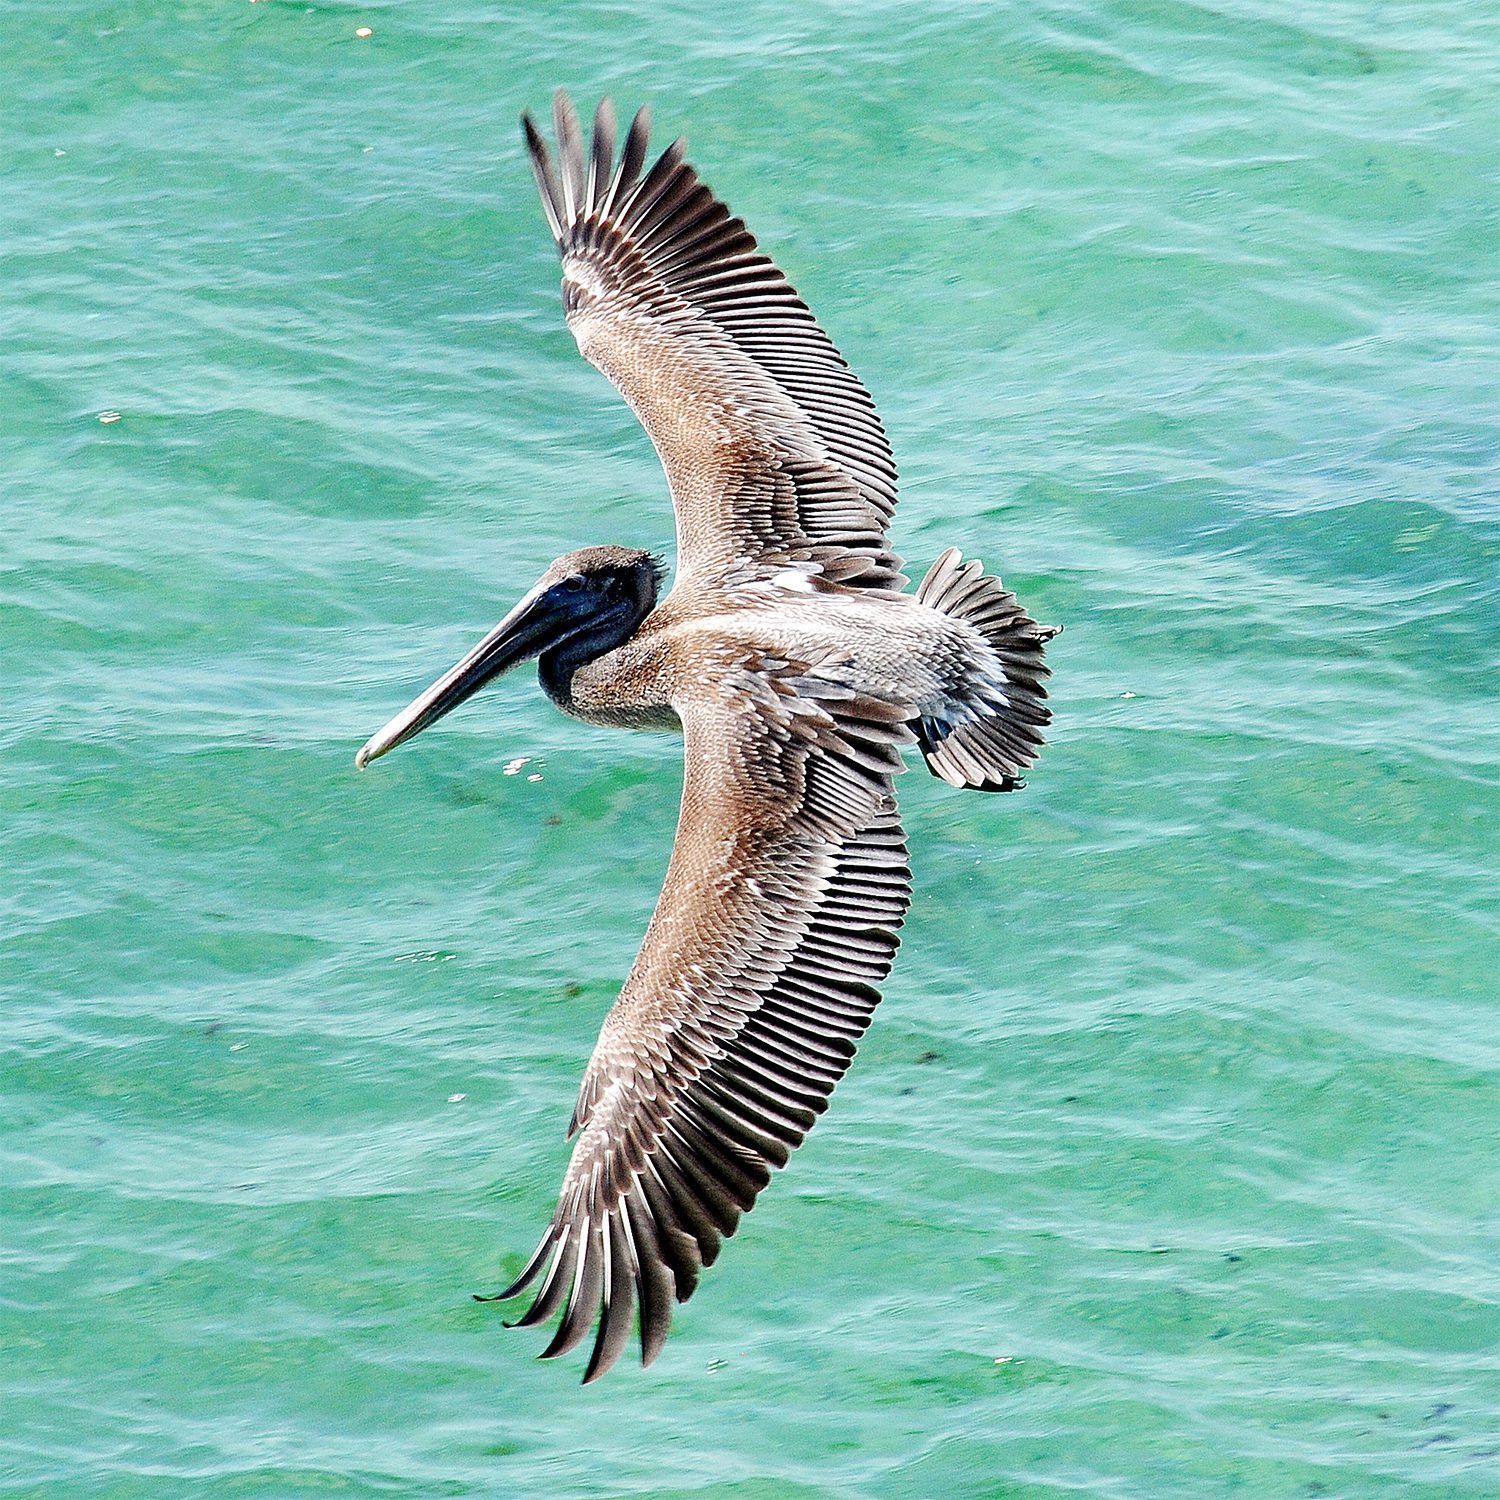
<point>1169,1168</point>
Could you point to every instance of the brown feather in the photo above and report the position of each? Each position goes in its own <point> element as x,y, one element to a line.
<point>721,360</point>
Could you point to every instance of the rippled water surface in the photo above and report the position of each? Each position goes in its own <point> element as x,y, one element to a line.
<point>1169,1169</point>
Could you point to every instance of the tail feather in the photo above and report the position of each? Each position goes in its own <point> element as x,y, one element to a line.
<point>989,737</point>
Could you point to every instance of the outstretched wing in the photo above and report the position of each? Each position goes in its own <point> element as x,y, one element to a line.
<point>787,882</point>
<point>771,446</point>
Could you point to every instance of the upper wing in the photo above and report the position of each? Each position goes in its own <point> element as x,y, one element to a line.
<point>778,916</point>
<point>772,448</point>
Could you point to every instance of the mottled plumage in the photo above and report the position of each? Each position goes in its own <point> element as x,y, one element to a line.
<point>797,671</point>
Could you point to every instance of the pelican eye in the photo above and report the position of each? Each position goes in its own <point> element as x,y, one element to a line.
<point>573,583</point>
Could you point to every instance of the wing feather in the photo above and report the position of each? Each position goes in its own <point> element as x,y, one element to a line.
<point>772,448</point>
<point>602,157</point>
<point>755,981</point>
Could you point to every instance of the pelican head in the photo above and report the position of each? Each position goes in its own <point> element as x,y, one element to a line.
<point>588,602</point>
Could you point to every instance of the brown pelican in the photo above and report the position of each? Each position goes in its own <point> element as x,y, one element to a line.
<point>796,669</point>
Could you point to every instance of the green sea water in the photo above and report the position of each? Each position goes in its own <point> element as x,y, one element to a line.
<point>1169,1169</point>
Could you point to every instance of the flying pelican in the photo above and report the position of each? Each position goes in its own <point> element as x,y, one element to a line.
<point>796,669</point>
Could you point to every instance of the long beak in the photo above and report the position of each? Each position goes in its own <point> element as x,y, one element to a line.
<point>521,634</point>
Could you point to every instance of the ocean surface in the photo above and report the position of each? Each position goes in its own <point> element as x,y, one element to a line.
<point>1171,1167</point>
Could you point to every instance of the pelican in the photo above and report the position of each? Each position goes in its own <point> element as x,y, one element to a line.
<point>796,668</point>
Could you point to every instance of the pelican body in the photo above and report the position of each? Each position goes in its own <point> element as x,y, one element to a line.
<point>796,668</point>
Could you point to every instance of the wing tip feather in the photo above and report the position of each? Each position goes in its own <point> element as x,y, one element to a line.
<point>546,177</point>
